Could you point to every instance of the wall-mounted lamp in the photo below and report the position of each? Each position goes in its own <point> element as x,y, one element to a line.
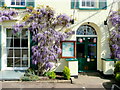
<point>72,21</point>
<point>105,22</point>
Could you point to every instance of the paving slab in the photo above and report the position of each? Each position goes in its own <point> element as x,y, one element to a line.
<point>85,81</point>
<point>11,75</point>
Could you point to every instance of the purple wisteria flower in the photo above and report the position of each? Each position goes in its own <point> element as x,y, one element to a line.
<point>43,26</point>
<point>115,34</point>
<point>6,15</point>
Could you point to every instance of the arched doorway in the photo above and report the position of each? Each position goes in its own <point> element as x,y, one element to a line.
<point>86,37</point>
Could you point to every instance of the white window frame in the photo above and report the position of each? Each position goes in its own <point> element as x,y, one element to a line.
<point>17,5</point>
<point>17,68</point>
<point>96,4</point>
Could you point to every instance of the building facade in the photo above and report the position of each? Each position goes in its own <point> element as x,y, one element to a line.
<point>91,35</point>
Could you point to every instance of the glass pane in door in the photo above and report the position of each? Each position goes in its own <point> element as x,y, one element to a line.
<point>92,51</point>
<point>92,39</point>
<point>80,50</point>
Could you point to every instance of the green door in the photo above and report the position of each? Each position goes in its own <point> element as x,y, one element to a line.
<point>87,54</point>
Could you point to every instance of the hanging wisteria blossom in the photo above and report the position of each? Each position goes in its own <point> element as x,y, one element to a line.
<point>115,34</point>
<point>43,24</point>
<point>7,14</point>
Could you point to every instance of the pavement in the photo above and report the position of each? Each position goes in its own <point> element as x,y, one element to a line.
<point>85,81</point>
<point>11,74</point>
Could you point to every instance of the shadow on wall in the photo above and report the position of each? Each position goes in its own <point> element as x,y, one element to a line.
<point>105,50</point>
<point>60,65</point>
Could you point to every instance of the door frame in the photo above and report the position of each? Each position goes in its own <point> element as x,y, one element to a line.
<point>96,49</point>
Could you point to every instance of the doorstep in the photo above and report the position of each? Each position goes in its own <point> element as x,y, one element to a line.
<point>11,74</point>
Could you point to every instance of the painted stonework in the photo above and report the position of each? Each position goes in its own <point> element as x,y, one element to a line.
<point>94,18</point>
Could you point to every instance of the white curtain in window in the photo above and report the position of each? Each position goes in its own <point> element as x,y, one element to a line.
<point>8,43</point>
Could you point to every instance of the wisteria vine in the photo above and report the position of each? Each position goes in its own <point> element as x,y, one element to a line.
<point>115,34</point>
<point>7,14</point>
<point>47,31</point>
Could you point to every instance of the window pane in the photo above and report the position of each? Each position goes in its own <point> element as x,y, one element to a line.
<point>93,40</point>
<point>24,63</point>
<point>16,42</point>
<point>10,42</point>
<point>17,35</point>
<point>24,52</point>
<point>81,40</point>
<point>17,62</point>
<point>80,51</point>
<point>9,62</point>
<point>12,2</point>
<point>86,30</point>
<point>17,53</point>
<point>88,3</point>
<point>9,33</point>
<point>22,2</point>
<point>24,42</point>
<point>92,51</point>
<point>9,52</point>
<point>17,2</point>
<point>25,58</point>
<point>24,34</point>
<point>83,3</point>
<point>92,4</point>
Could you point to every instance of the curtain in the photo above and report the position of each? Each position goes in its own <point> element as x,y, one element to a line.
<point>9,38</point>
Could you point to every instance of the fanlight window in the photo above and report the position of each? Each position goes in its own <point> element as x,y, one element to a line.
<point>86,30</point>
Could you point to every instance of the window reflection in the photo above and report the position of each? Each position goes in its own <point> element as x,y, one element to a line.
<point>92,50</point>
<point>80,50</point>
<point>93,40</point>
<point>81,40</point>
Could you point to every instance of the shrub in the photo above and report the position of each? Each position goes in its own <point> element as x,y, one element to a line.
<point>117,76</point>
<point>66,73</point>
<point>25,78</point>
<point>51,74</point>
<point>29,72</point>
<point>117,67</point>
<point>30,78</point>
<point>30,75</point>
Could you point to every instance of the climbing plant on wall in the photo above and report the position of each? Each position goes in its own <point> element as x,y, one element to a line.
<point>115,34</point>
<point>7,14</point>
<point>47,31</point>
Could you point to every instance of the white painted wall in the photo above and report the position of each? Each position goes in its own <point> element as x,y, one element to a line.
<point>96,19</point>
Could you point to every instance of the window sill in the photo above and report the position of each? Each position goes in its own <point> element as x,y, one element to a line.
<point>108,59</point>
<point>71,59</point>
<point>17,7</point>
<point>91,9</point>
